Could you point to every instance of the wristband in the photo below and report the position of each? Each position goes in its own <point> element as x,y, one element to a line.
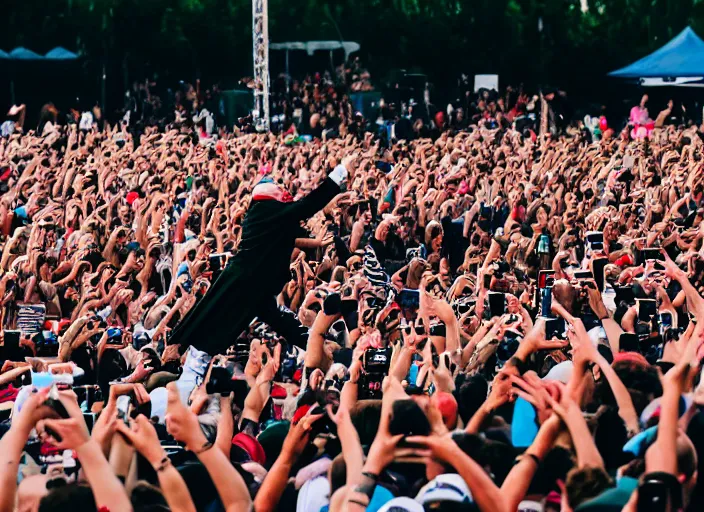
<point>527,456</point>
<point>163,464</point>
<point>366,488</point>
<point>207,446</point>
<point>519,364</point>
<point>371,476</point>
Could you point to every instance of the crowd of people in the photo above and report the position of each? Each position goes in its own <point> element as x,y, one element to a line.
<point>485,319</point>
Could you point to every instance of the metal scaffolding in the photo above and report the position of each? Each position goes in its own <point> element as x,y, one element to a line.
<point>260,49</point>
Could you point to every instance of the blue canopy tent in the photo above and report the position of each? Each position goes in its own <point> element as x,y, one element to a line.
<point>60,53</point>
<point>21,53</point>
<point>680,62</point>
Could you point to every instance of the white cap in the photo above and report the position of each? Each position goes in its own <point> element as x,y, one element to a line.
<point>402,503</point>
<point>446,487</point>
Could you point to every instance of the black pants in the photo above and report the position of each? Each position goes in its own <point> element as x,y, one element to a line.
<point>284,322</point>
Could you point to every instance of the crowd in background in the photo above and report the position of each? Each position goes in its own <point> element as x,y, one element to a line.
<point>485,318</point>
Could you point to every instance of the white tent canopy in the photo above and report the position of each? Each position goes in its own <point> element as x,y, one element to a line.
<point>313,46</point>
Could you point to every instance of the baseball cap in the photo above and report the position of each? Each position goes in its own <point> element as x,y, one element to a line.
<point>402,504</point>
<point>251,446</point>
<point>449,487</point>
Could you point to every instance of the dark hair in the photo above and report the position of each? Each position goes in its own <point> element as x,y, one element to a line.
<point>471,396</point>
<point>68,497</point>
<point>366,415</point>
<point>610,436</point>
<point>555,466</point>
<point>146,496</point>
<point>408,418</point>
<point>583,484</point>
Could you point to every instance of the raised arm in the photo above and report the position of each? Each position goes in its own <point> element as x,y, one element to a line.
<point>143,436</point>
<point>184,426</point>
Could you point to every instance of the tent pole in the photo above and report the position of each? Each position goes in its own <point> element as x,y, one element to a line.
<point>288,76</point>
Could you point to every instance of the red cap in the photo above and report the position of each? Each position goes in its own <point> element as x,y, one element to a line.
<point>251,446</point>
<point>631,357</point>
<point>278,391</point>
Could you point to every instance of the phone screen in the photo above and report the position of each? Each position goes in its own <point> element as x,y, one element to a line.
<point>647,309</point>
<point>11,341</point>
<point>653,497</point>
<point>652,253</point>
<point>555,328</point>
<point>497,303</point>
<point>598,265</point>
<point>628,342</point>
<point>546,302</point>
<point>543,277</point>
<point>595,237</point>
<point>409,299</point>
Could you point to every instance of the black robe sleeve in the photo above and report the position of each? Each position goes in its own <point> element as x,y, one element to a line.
<point>313,202</point>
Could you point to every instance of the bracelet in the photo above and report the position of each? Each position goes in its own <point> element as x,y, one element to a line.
<point>526,456</point>
<point>163,464</point>
<point>370,476</point>
<point>207,446</point>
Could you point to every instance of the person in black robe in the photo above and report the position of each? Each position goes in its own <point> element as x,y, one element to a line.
<point>247,288</point>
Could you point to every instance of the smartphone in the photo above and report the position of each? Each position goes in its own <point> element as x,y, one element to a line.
<point>647,309</point>
<point>628,342</point>
<point>114,334</point>
<point>438,330</point>
<point>408,299</point>
<point>555,328</point>
<point>655,496</point>
<point>598,265</point>
<point>546,302</point>
<point>12,345</point>
<point>487,281</point>
<point>123,408</point>
<point>543,276</point>
<point>497,303</point>
<point>595,239</point>
<point>666,319</point>
<point>652,253</point>
<point>624,294</point>
<point>52,401</point>
<point>581,275</point>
